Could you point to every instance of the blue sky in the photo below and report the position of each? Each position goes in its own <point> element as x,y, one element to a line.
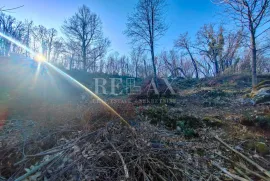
<point>181,16</point>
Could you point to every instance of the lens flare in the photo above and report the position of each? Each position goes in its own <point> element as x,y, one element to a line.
<point>37,73</point>
<point>41,59</point>
<point>87,90</point>
<point>18,43</point>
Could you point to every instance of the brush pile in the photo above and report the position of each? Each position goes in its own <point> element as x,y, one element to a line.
<point>119,152</point>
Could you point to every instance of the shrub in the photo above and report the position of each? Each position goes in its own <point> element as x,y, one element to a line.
<point>98,114</point>
<point>163,116</point>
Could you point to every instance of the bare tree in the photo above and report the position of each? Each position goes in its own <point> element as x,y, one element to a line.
<point>41,36</point>
<point>28,26</point>
<point>97,53</point>
<point>172,62</point>
<point>184,42</point>
<point>228,55</point>
<point>205,66</point>
<point>52,33</point>
<point>10,27</point>
<point>146,25</point>
<point>253,15</point>
<point>136,58</point>
<point>123,63</point>
<point>187,67</point>
<point>112,66</point>
<point>210,43</point>
<point>85,28</point>
<point>73,53</point>
<point>219,46</point>
<point>145,73</point>
<point>59,48</point>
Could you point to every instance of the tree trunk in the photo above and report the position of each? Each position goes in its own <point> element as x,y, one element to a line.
<point>223,65</point>
<point>27,41</point>
<point>152,35</point>
<point>194,64</point>
<point>84,57</point>
<point>71,62</point>
<point>216,66</point>
<point>49,54</point>
<point>7,48</point>
<point>145,70</point>
<point>136,71</point>
<point>154,65</point>
<point>253,60</point>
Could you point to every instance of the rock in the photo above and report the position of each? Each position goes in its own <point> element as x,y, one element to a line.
<point>212,121</point>
<point>178,129</point>
<point>246,101</point>
<point>263,84</point>
<point>238,148</point>
<point>262,93</point>
<point>261,148</point>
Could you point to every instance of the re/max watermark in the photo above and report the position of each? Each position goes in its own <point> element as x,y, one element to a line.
<point>120,86</point>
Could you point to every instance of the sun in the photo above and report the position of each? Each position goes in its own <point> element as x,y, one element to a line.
<point>40,58</point>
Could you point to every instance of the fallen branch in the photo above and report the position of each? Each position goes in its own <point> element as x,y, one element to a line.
<point>34,170</point>
<point>242,173</point>
<point>244,167</point>
<point>244,157</point>
<point>228,173</point>
<point>121,157</point>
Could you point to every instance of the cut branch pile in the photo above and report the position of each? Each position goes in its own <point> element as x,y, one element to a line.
<point>143,152</point>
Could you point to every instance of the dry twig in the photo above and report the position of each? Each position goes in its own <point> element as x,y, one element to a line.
<point>244,157</point>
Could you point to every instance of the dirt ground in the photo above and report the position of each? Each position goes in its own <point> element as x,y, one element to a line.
<point>46,120</point>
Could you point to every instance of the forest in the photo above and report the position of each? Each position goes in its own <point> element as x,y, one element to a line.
<point>73,108</point>
<point>81,45</point>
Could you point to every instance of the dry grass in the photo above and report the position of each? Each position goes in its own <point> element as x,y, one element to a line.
<point>50,124</point>
<point>3,115</point>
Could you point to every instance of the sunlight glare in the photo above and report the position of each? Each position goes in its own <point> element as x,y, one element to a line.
<point>42,59</point>
<point>39,58</point>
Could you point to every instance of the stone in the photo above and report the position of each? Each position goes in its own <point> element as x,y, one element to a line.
<point>262,93</point>
<point>263,84</point>
<point>261,148</point>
